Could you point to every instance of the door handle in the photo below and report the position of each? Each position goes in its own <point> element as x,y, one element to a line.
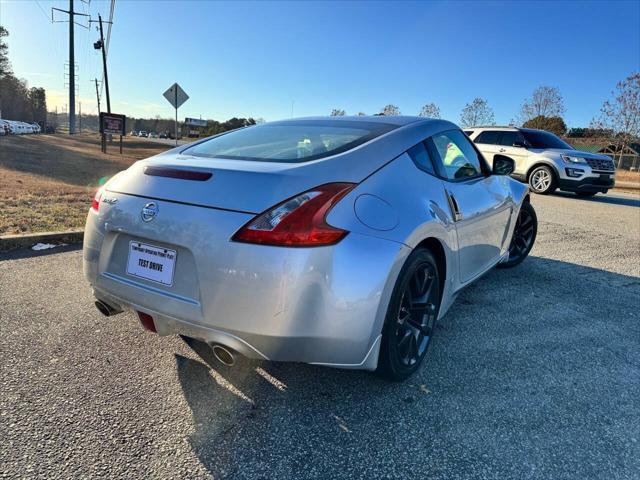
<point>455,210</point>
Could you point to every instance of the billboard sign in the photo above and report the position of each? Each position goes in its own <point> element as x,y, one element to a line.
<point>195,122</point>
<point>112,123</point>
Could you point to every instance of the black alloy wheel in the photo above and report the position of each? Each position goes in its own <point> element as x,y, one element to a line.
<point>411,317</point>
<point>524,236</point>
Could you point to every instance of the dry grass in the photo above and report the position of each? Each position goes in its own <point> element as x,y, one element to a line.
<point>627,176</point>
<point>47,181</point>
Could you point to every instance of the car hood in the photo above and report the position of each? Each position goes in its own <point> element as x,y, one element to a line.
<point>555,152</point>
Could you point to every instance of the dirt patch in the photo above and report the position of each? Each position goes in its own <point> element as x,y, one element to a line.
<point>47,181</point>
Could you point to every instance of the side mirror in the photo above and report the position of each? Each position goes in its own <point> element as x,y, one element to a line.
<point>519,143</point>
<point>503,165</point>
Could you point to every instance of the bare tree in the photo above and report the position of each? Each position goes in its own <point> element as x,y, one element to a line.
<point>621,114</point>
<point>336,112</point>
<point>476,113</point>
<point>544,102</point>
<point>390,111</point>
<point>430,110</point>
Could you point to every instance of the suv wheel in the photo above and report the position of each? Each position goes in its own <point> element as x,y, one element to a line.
<point>542,180</point>
<point>411,317</point>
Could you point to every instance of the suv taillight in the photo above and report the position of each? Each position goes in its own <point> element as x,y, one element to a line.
<point>299,221</point>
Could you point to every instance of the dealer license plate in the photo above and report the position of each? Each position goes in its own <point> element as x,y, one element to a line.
<point>151,263</point>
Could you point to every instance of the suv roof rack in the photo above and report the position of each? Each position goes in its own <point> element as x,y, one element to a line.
<point>495,126</point>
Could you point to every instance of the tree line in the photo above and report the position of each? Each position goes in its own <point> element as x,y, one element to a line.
<point>617,120</point>
<point>17,100</point>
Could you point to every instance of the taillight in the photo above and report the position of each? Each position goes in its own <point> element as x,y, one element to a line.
<point>299,221</point>
<point>95,203</point>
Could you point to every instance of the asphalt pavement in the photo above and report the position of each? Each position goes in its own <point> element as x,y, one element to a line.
<point>534,373</point>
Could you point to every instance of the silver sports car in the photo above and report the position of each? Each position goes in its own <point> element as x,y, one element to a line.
<point>332,241</point>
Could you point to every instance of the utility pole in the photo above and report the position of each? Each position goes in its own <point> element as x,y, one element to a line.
<point>72,74</point>
<point>97,96</point>
<point>99,45</point>
<point>72,64</point>
<point>80,117</point>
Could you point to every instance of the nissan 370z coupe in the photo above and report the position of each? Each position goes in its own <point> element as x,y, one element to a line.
<point>331,241</point>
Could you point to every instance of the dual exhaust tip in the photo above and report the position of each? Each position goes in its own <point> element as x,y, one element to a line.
<point>106,309</point>
<point>224,355</point>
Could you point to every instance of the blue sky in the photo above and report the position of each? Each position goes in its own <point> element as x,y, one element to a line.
<point>255,59</point>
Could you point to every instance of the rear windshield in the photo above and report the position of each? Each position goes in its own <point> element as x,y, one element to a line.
<point>295,141</point>
<point>542,139</point>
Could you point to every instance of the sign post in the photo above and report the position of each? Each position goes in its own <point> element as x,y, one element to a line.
<point>176,96</point>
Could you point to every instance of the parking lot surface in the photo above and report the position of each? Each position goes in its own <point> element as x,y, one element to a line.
<point>534,373</point>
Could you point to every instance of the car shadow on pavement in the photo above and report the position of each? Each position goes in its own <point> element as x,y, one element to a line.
<point>534,369</point>
<point>627,201</point>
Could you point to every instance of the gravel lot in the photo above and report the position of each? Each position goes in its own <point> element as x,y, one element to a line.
<point>534,373</point>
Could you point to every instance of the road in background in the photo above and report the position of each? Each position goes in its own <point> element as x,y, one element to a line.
<point>165,141</point>
<point>534,373</point>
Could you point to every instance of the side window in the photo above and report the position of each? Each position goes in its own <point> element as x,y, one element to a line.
<point>489,137</point>
<point>420,157</point>
<point>455,156</point>
<point>509,138</point>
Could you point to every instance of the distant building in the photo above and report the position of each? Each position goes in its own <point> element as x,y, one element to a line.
<point>627,158</point>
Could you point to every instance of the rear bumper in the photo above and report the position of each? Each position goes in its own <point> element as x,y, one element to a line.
<point>314,305</point>
<point>255,346</point>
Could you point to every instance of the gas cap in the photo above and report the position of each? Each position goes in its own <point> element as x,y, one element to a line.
<point>375,212</point>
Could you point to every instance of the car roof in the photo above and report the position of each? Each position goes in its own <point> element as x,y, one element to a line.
<point>399,120</point>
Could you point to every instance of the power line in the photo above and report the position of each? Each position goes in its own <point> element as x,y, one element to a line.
<point>106,46</point>
<point>43,12</point>
<point>111,10</point>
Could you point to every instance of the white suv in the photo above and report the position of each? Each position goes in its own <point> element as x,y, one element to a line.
<point>545,161</point>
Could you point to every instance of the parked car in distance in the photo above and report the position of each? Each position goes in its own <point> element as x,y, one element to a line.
<point>153,135</point>
<point>142,134</point>
<point>335,241</point>
<point>133,133</point>
<point>545,161</point>
<point>5,128</point>
<point>162,135</point>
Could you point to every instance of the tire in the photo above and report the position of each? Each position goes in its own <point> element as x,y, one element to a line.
<point>542,180</point>
<point>411,316</point>
<point>586,194</point>
<point>524,236</point>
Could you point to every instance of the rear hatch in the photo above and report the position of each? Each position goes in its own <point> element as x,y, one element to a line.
<point>225,184</point>
<point>162,263</point>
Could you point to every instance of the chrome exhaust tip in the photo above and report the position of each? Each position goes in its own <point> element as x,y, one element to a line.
<point>224,355</point>
<point>106,309</point>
